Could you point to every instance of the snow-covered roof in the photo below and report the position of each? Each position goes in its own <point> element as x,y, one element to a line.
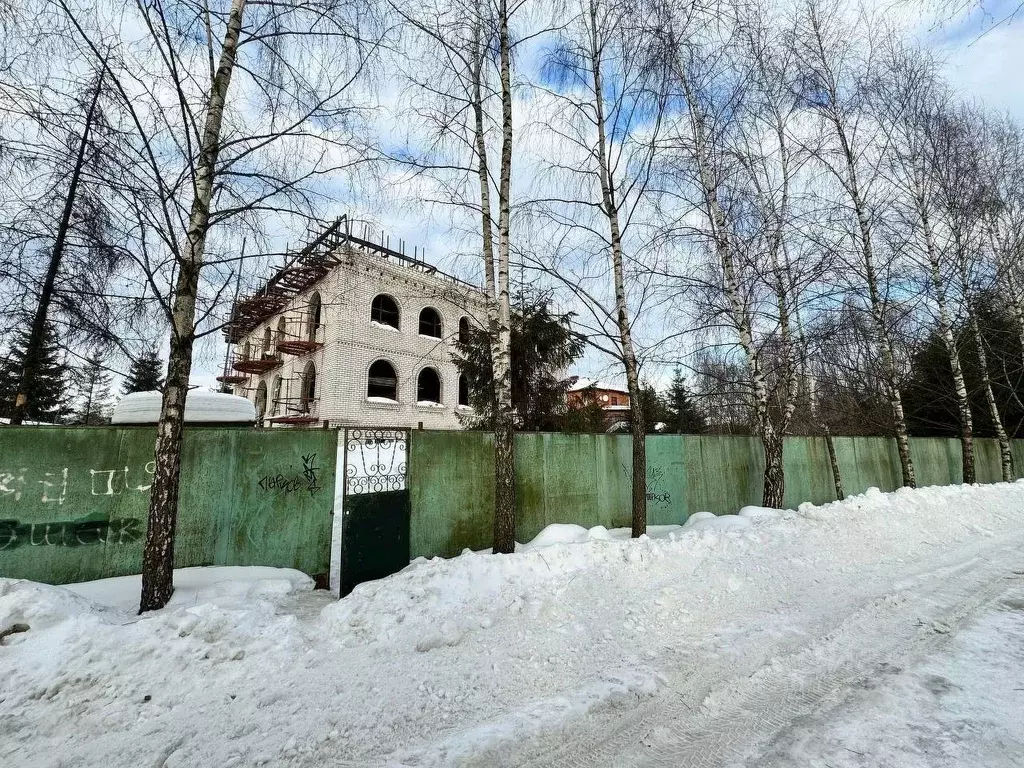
<point>200,406</point>
<point>584,383</point>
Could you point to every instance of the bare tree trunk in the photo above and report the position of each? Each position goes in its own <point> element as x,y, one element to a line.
<point>774,476</point>
<point>504,427</point>
<point>774,473</point>
<point>949,341</point>
<point>1005,454</point>
<point>883,341</point>
<point>37,333</point>
<point>837,477</point>
<point>609,207</point>
<point>772,439</point>
<point>834,115</point>
<point>158,555</point>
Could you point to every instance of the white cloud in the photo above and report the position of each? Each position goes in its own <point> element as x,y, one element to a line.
<point>987,66</point>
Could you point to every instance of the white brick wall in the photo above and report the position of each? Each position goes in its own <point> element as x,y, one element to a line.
<point>351,343</point>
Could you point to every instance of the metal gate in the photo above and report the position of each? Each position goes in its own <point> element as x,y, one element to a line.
<point>375,517</point>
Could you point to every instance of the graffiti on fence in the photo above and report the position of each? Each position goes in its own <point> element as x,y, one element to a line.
<point>656,492</point>
<point>53,487</point>
<point>69,533</point>
<point>307,481</point>
<point>309,470</point>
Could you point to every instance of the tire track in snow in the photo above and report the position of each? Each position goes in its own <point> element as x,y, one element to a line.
<point>715,714</point>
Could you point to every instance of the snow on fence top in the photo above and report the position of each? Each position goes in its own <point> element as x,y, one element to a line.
<point>200,406</point>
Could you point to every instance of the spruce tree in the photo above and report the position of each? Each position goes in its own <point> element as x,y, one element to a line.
<point>543,347</point>
<point>145,374</point>
<point>47,395</point>
<point>683,416</point>
<point>93,392</point>
<point>654,408</point>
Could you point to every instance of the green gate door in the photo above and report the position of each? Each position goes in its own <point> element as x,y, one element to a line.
<point>375,518</point>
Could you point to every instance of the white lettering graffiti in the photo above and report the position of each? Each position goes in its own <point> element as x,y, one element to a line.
<point>110,473</point>
<point>7,478</point>
<point>54,485</point>
<point>47,485</point>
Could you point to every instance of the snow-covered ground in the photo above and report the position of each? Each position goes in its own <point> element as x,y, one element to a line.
<point>886,630</point>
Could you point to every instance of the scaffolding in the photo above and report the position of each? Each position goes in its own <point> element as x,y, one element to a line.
<point>256,359</point>
<point>308,266</point>
<point>299,333</point>
<point>298,408</point>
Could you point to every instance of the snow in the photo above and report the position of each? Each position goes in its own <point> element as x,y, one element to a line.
<point>760,512</point>
<point>429,404</point>
<point>192,586</point>
<point>200,406</point>
<point>384,326</point>
<point>956,707</point>
<point>381,400</point>
<point>584,383</point>
<point>568,533</point>
<point>884,630</point>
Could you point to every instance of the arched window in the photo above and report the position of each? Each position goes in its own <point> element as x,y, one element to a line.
<point>428,386</point>
<point>308,384</point>
<point>382,381</point>
<point>464,330</point>
<point>430,323</point>
<point>275,395</point>
<point>261,402</point>
<point>282,329</point>
<point>268,341</point>
<point>463,391</point>
<point>247,350</point>
<point>384,310</point>
<point>313,325</point>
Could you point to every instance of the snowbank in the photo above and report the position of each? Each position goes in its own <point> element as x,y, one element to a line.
<point>585,646</point>
<point>220,585</point>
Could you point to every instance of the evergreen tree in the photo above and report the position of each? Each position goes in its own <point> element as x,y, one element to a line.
<point>543,347</point>
<point>683,418</point>
<point>145,374</point>
<point>654,408</point>
<point>93,392</point>
<point>47,397</point>
<point>931,405</point>
<point>586,418</point>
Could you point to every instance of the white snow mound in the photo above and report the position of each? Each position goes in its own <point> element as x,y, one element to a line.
<point>484,660</point>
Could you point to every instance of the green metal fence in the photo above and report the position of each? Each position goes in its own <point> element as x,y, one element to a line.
<point>73,501</point>
<point>585,479</point>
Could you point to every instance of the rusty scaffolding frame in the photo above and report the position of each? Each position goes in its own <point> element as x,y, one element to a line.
<point>302,270</point>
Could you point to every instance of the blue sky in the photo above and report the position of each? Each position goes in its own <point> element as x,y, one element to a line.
<point>983,50</point>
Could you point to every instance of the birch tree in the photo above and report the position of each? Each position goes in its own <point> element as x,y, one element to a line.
<point>602,114</point>
<point>968,212</point>
<point>460,72</point>
<point>238,110</point>
<point>738,163</point>
<point>835,63</point>
<point>909,103</point>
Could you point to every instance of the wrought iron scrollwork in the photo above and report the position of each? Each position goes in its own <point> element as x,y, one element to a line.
<point>375,460</point>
